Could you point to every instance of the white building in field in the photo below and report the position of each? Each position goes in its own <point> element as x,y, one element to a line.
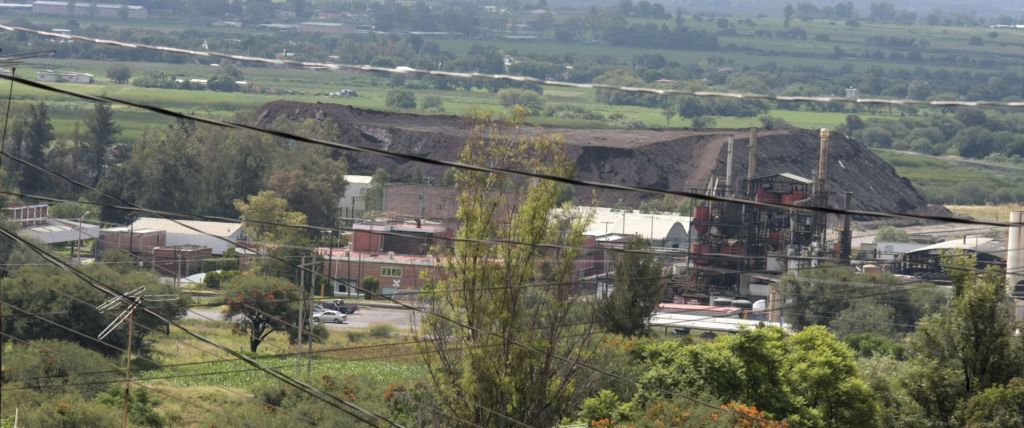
<point>64,76</point>
<point>98,10</point>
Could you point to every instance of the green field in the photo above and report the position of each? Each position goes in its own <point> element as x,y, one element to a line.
<point>791,52</point>
<point>311,86</point>
<point>941,180</point>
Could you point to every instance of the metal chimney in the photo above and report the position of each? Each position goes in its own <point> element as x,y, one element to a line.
<point>846,237</point>
<point>751,159</point>
<point>1014,252</point>
<point>823,161</point>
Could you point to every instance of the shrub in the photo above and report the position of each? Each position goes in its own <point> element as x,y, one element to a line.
<point>400,98</point>
<point>119,73</point>
<point>517,97</point>
<point>568,111</point>
<point>355,336</point>
<point>703,122</point>
<point>772,122</point>
<point>432,103</point>
<point>370,287</point>
<point>223,263</point>
<point>619,120</point>
<point>381,331</point>
<point>213,280</point>
<point>53,366</point>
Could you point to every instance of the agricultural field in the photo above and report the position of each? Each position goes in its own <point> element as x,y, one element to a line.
<point>312,86</point>
<point>956,181</point>
<point>986,212</point>
<point>793,52</point>
<point>365,361</point>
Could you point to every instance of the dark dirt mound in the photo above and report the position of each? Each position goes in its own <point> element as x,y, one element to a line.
<point>664,159</point>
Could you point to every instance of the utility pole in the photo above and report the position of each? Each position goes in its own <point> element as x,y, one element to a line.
<point>302,294</point>
<point>131,236</point>
<point>131,300</point>
<point>79,246</point>
<point>128,368</point>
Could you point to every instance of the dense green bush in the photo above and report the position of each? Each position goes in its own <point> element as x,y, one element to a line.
<point>432,103</point>
<point>400,98</point>
<point>382,330</point>
<point>223,263</point>
<point>529,100</point>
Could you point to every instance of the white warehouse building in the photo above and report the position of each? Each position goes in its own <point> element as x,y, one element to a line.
<point>210,234</point>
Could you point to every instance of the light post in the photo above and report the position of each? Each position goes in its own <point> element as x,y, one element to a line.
<point>328,261</point>
<point>131,234</point>
<point>80,235</point>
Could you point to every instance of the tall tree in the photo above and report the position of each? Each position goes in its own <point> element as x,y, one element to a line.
<point>260,304</point>
<point>485,287</point>
<point>311,178</point>
<point>639,287</point>
<point>975,335</point>
<point>161,172</point>
<point>101,133</point>
<point>35,135</point>
<point>375,195</point>
<point>264,216</point>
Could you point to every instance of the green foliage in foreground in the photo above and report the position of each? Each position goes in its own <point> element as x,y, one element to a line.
<point>808,378</point>
<point>237,374</point>
<point>68,301</point>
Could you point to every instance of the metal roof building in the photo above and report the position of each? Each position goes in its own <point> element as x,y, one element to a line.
<point>210,234</point>
<point>925,262</point>
<point>662,230</point>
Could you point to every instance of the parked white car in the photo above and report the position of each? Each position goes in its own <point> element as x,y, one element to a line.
<point>329,316</point>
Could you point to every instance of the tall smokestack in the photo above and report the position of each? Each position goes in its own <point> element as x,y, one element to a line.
<point>751,159</point>
<point>728,166</point>
<point>846,238</point>
<point>823,161</point>
<point>1014,252</point>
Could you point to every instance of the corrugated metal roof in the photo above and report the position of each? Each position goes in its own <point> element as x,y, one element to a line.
<point>358,179</point>
<point>795,177</point>
<point>977,244</point>
<point>648,226</point>
<point>221,229</point>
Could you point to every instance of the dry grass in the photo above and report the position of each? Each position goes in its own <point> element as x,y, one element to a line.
<point>986,212</point>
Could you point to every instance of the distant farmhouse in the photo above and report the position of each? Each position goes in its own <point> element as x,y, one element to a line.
<point>99,10</point>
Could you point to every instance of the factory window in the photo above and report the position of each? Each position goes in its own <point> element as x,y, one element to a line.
<point>391,272</point>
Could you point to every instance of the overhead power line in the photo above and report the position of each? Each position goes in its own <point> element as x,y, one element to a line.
<point>486,169</point>
<point>403,70</point>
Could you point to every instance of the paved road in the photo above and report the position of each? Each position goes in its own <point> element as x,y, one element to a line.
<point>363,318</point>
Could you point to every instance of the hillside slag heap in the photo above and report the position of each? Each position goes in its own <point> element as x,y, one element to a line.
<point>669,159</point>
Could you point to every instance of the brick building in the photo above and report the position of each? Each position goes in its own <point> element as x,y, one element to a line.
<point>417,237</point>
<point>398,274</point>
<point>28,215</point>
<point>180,261</point>
<point>421,201</point>
<point>137,241</point>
